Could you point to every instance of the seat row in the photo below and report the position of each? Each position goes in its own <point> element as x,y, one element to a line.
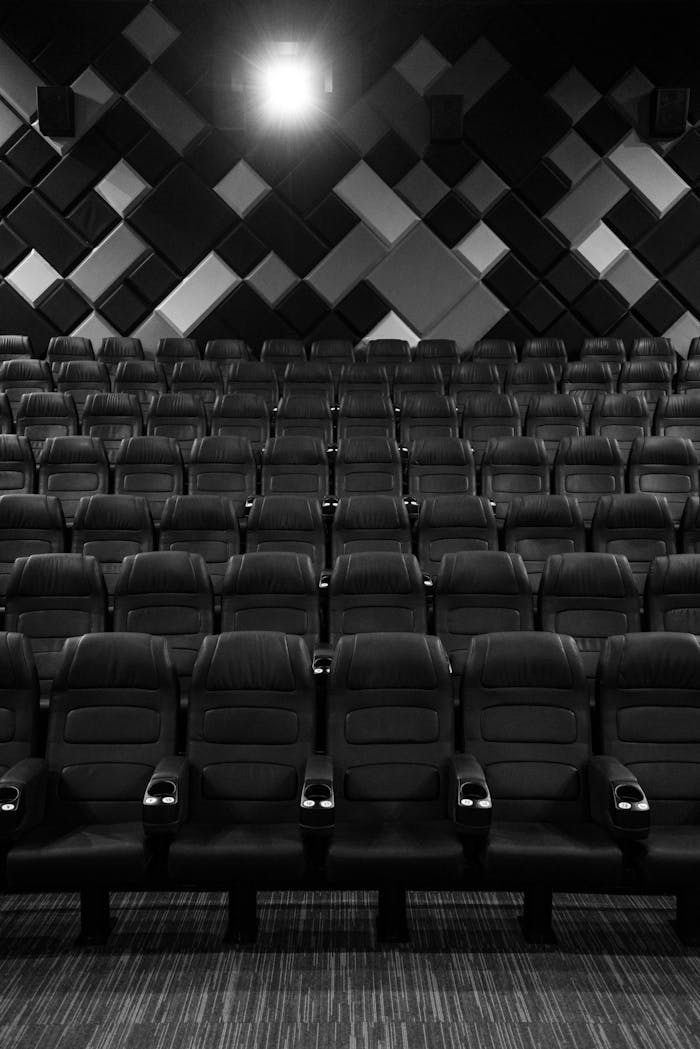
<point>379,790</point>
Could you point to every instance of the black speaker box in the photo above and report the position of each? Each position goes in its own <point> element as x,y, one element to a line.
<point>56,111</point>
<point>669,112</point>
<point>446,118</point>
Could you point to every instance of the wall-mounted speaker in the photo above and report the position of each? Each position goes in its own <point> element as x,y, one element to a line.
<point>446,118</point>
<point>56,111</point>
<point>669,112</point>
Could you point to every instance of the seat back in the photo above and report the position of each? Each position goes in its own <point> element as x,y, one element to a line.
<point>659,348</point>
<point>110,528</point>
<point>473,377</point>
<point>24,375</point>
<point>42,415</point>
<point>585,380</point>
<point>177,415</point>
<point>278,353</point>
<point>550,350</point>
<point>366,413</point>
<point>144,379</point>
<point>334,353</point>
<point>443,352</point>
<point>226,351</point>
<point>513,466</point>
<point>621,416</point>
<point>13,346</point>
<point>29,524</point>
<point>254,377</point>
<point>309,377</point>
<point>672,595</point>
<point>538,526</point>
<point>376,592</point>
<point>201,524</point>
<point>425,415</point>
<point>688,375</point>
<point>606,350</point>
<point>638,526</point>
<point>378,523</point>
<point>241,415</point>
<point>202,379</point>
<point>586,468</point>
<point>441,466</point>
<point>528,379</point>
<point>150,467</point>
<point>113,418</point>
<point>363,378</point>
<point>65,349</point>
<point>450,523</point>
<point>19,700</point>
<point>171,351</point>
<point>679,416</point>
<point>652,379</point>
<point>293,523</point>
<point>73,467</point>
<point>305,415</point>
<point>389,353</point>
<point>665,466</point>
<point>486,416</point>
<point>416,377</point>
<point>499,352</point>
<point>367,464</point>
<point>117,348</point>
<point>223,466</point>
<point>296,466</point>
<point>16,464</point>
<point>553,416</point>
<point>274,590</point>
<point>80,379</point>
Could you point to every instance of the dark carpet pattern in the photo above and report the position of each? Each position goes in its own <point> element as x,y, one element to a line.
<point>317,978</point>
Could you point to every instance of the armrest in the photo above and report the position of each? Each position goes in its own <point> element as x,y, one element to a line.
<point>22,797</point>
<point>616,798</point>
<point>322,659</point>
<point>470,798</point>
<point>317,806</point>
<point>166,797</point>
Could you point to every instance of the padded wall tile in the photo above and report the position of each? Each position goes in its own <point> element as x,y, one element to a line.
<point>9,124</point>
<point>686,328</point>
<point>242,188</point>
<point>510,281</point>
<point>413,126</point>
<point>539,309</point>
<point>123,308</point>
<point>391,158</point>
<point>18,317</point>
<point>580,211</point>
<point>482,187</point>
<point>152,157</point>
<point>600,307</point>
<point>450,161</point>
<point>109,261</point>
<point>272,279</point>
<point>152,279</point>
<point>151,32</point>
<point>331,220</point>
<point>122,126</point>
<point>121,64</point>
<point>684,155</point>
<point>92,217</point>
<point>152,330</point>
<point>92,96</point>
<point>649,173</point>
<point>470,319</point>
<point>683,278</point>
<point>31,155</point>
<point>182,218</point>
<point>33,277</point>
<point>12,248</point>
<point>122,187</point>
<point>570,277</point>
<point>19,82</point>
<point>574,94</point>
<point>421,188</point>
<point>302,308</point>
<point>601,249</point>
<point>573,157</point>
<point>630,278</point>
<point>392,327</point>
<point>474,74</point>
<point>12,187</point>
<point>421,65</point>
<point>451,219</point>
<point>632,97</point>
<point>286,234</point>
<point>673,236</point>
<point>544,187</point>
<point>362,308</point>
<point>603,126</point>
<point>525,233</point>
<point>241,250</point>
<point>392,95</point>
<point>659,309</point>
<point>78,171</point>
<point>64,308</point>
<point>95,328</point>
<point>167,111</point>
<point>508,326</point>
<point>629,329</point>
<point>198,294</point>
<point>313,178</point>
<point>572,330</point>
<point>362,125</point>
<point>376,204</point>
<point>482,249</point>
<point>248,316</point>
<point>421,279</point>
<point>42,228</point>
<point>631,218</point>
<point>213,156</point>
<point>347,264</point>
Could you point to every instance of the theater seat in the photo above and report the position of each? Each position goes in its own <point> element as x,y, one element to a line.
<point>389,353</point>
<point>242,415</point>
<point>650,378</point>
<point>13,346</point>
<point>19,714</point>
<point>416,377</point>
<point>370,522</point>
<point>278,353</point>
<point>144,379</point>
<point>305,415</point>
<point>51,597</point>
<point>42,415</point>
<point>113,418</point>
<point>537,526</point>
<point>667,467</point>
<point>552,417</point>
<point>638,526</point>
<point>80,379</point>
<point>223,466</point>
<point>309,377</point>
<point>251,732</point>
<point>68,349</point>
<point>363,378</point>
<point>622,417</point>
<point>605,350</point>
<point>367,464</point>
<point>171,351</point>
<point>225,352</point>
<point>499,352</point>
<point>512,467</point>
<point>201,524</point>
<point>24,375</point>
<point>441,466</point>
<point>525,719</point>
<point>169,594</point>
<point>672,595</point>
<point>112,720</point>
<point>334,353</point>
<point>29,524</point>
<point>202,379</point>
<point>655,349</point>
<point>16,464</point>
<point>679,416</point>
<point>551,351</point>
<point>690,526</point>
<point>295,466</point>
<point>150,467</point>
<point>177,415</point>
<point>529,379</point>
<point>487,416</point>
<point>256,378</point>
<point>688,376</point>
<point>425,415</point>
<point>73,467</point>
<point>473,377</point>
<point>293,523</point>
<point>272,591</point>
<point>117,348</point>
<point>586,468</point>
<point>477,591</point>
<point>443,352</point>
<point>585,380</point>
<point>450,523</point>
<point>367,413</point>
<point>376,592</point>
<point>110,528</point>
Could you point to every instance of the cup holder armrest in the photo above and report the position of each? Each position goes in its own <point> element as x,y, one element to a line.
<point>322,659</point>
<point>165,800</point>
<point>317,803</point>
<point>470,798</point>
<point>22,797</point>
<point>617,799</point>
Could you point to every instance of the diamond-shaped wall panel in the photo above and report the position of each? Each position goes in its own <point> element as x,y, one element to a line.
<point>601,249</point>
<point>482,187</point>
<point>103,267</point>
<point>649,173</point>
<point>474,74</point>
<point>573,157</point>
<point>630,278</point>
<point>122,187</point>
<point>242,188</point>
<point>198,294</point>
<point>580,211</point>
<point>422,188</point>
<point>151,33</point>
<point>18,83</point>
<point>272,279</point>
<point>686,328</point>
<point>33,277</point>
<point>481,249</point>
<point>347,264</point>
<point>9,123</point>
<point>167,111</point>
<point>152,330</point>
<point>421,65</point>
<point>94,328</point>
<point>632,96</point>
<point>362,125</point>
<point>574,94</point>
<point>376,204</point>
<point>392,327</point>
<point>470,319</point>
<point>92,96</point>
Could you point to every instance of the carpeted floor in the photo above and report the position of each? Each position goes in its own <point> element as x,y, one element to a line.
<point>317,979</point>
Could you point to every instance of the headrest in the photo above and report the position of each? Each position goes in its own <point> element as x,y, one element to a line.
<point>289,512</point>
<point>233,450</point>
<point>641,510</point>
<point>646,370</point>
<point>304,406</point>
<point>544,347</point>
<point>589,575</point>
<point>163,572</point>
<point>30,511</point>
<point>252,661</point>
<point>149,451</point>
<point>15,449</point>
<point>663,451</point>
<point>113,513</point>
<point>226,349</point>
<point>554,406</point>
<point>68,346</point>
<point>531,373</point>
<point>273,572</point>
<point>422,372</point>
<point>391,661</point>
<point>604,346</point>
<point>372,572</point>
<point>121,346</point>
<point>675,574</point>
<point>26,369</point>
<point>543,511</point>
<point>324,348</point>
<point>308,372</point>
<point>441,451</point>
<point>621,405</point>
<point>112,404</point>
<point>115,661</point>
<point>55,575</point>
<point>368,450</point>
<point>453,511</point>
<point>474,372</point>
<point>67,451</point>
<point>364,373</point>
<point>428,406</point>
<point>363,404</point>
<point>178,404</point>
<point>662,661</point>
<point>680,406</point>
<point>528,659</point>
<point>149,371</point>
<point>251,371</point>
<point>241,406</point>
<point>398,348</point>
<point>500,349</point>
<point>21,344</point>
<point>371,511</point>
<point>39,405</point>
<point>294,451</point>
<point>436,348</point>
<point>198,513</point>
<point>487,404</point>
<point>652,346</point>
<point>196,371</point>
<point>589,451</point>
<point>177,347</point>
<point>588,371</point>
<point>482,572</point>
<point>283,348</point>
<point>515,451</point>
<point>76,372</point>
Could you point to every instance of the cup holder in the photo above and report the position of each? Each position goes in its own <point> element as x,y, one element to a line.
<point>318,794</point>
<point>630,795</point>
<point>9,799</point>
<point>474,795</point>
<point>161,790</point>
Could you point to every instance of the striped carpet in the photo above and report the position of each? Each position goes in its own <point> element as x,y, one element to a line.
<point>317,979</point>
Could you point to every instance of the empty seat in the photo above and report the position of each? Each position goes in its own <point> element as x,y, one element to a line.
<point>295,465</point>
<point>273,590</point>
<point>621,416</point>
<point>6,421</point>
<point>177,415</point>
<point>585,380</point>
<point>656,349</point>
<point>367,464</point>
<point>151,467</point>
<point>42,415</point>
<point>112,721</point>
<point>309,377</point>
<point>201,524</point>
<point>19,702</point>
<point>540,525</point>
<point>690,526</point>
<point>417,377</point>
<point>80,379</point>
<point>427,415</point>
<point>254,377</point>
<point>367,413</point>
<point>24,375</point>
<point>589,596</point>
<point>672,595</point>
<point>499,352</point>
<point>477,591</point>
<point>606,350</point>
<point>64,349</point>
<point>305,415</point>
<point>361,378</point>
<point>113,417</point>
<point>550,350</point>
<point>13,346</point>
<point>376,523</point>
<point>486,416</point>
<point>373,592</point>
<point>223,466</point>
<point>70,468</point>
<point>450,523</point>
<point>251,731</point>
<point>529,379</point>
<point>144,379</point>
<point>652,379</point>
<point>443,352</point>
<point>513,466</point>
<point>694,348</point>
<point>110,528</point>
<point>117,348</point>
<point>679,416</point>
<point>552,417</point>
<point>526,721</point>
<point>243,415</point>
<point>586,468</point>
<point>225,351</point>
<point>171,351</point>
<point>473,377</point>
<point>688,375</point>
<point>389,353</point>
<point>638,526</point>
<point>169,594</point>
<point>665,466</point>
<point>278,353</point>
<point>203,379</point>
<point>51,597</point>
<point>334,353</point>
<point>291,524</point>
<point>16,464</point>
<point>29,524</point>
<point>441,466</point>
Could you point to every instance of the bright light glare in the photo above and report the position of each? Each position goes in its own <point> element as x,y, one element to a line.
<point>288,88</point>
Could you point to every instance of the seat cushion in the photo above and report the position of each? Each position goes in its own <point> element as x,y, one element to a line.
<point>670,856</point>
<point>556,854</point>
<point>266,853</point>
<point>70,857</point>
<point>412,854</point>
